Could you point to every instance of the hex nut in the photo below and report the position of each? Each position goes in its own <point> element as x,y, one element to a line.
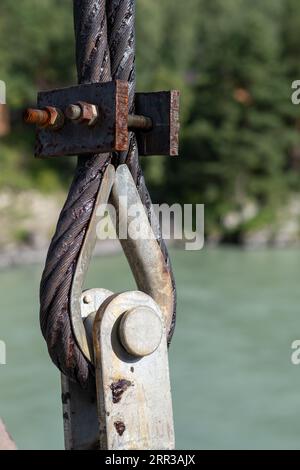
<point>89,113</point>
<point>56,118</point>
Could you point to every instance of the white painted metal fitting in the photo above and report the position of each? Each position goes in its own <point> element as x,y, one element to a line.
<point>140,331</point>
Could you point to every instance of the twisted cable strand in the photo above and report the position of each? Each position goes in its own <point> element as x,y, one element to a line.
<point>93,65</point>
<point>105,46</point>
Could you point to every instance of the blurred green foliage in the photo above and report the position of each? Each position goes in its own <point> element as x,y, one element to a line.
<point>234,62</point>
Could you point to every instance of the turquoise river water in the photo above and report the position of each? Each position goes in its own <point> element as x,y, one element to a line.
<point>233,383</point>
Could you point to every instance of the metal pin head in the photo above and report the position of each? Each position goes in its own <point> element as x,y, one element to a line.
<point>141,331</point>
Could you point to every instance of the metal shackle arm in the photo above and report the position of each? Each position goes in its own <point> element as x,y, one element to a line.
<point>144,255</point>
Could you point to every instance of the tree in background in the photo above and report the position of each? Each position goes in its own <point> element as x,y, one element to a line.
<point>234,62</point>
<point>37,52</point>
<point>240,128</point>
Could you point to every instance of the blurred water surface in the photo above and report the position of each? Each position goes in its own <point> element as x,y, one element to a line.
<point>233,382</point>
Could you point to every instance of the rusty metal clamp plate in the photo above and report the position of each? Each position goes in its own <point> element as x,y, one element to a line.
<point>163,108</point>
<point>109,133</point>
<point>110,125</point>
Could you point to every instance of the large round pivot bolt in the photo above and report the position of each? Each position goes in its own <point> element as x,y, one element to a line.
<point>141,331</point>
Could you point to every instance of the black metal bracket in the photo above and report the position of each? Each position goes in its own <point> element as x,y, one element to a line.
<point>94,118</point>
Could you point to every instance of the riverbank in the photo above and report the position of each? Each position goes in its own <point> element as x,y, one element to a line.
<point>28,220</point>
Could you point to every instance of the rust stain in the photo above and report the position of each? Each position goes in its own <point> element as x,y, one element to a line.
<point>121,117</point>
<point>118,388</point>
<point>174,123</point>
<point>40,117</point>
<point>120,427</point>
<point>48,117</point>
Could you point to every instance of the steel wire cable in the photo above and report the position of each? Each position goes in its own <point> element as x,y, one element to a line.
<point>105,50</point>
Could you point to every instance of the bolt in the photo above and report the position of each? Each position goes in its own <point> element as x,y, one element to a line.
<point>82,112</point>
<point>48,117</point>
<point>139,122</point>
<point>87,113</point>
<point>140,331</point>
<point>36,116</point>
<point>73,112</point>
